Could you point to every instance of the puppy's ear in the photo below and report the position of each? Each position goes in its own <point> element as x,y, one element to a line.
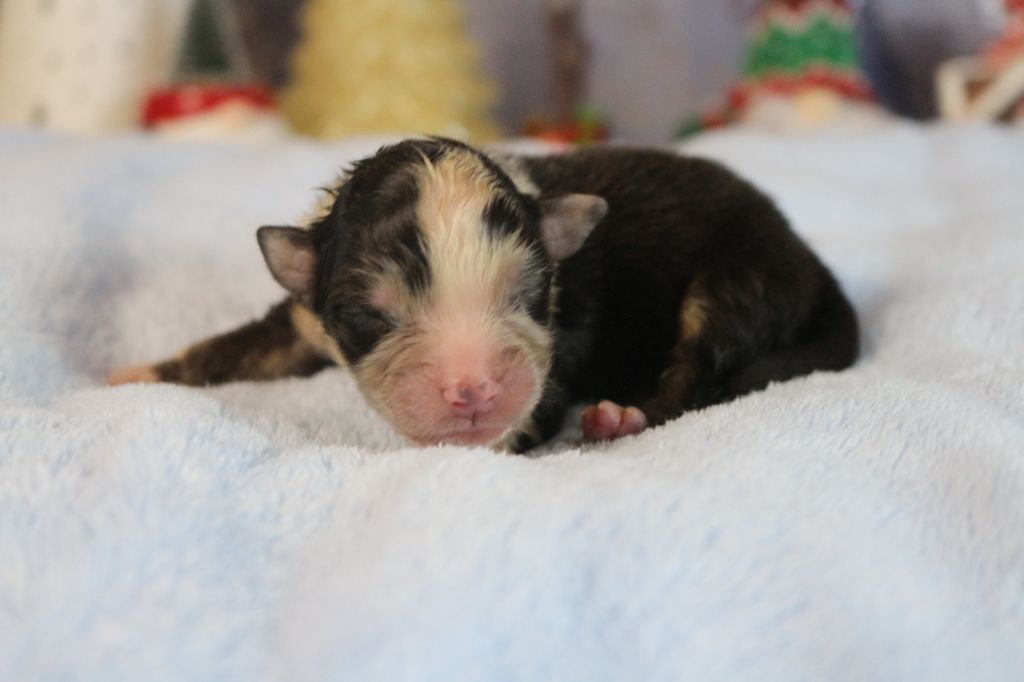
<point>291,258</point>
<point>567,220</point>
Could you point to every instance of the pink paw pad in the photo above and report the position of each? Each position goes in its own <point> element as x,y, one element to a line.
<point>135,374</point>
<point>608,421</point>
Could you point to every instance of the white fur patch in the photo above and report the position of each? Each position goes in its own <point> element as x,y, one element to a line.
<point>472,274</point>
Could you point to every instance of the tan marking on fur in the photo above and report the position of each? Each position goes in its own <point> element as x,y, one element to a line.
<point>694,316</point>
<point>311,330</point>
<point>390,293</point>
<point>134,374</point>
<point>376,372</point>
<point>282,361</point>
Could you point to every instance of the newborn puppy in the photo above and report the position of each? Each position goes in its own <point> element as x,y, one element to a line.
<point>475,297</point>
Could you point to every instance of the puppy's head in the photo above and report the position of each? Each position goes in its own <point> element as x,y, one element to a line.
<point>432,273</point>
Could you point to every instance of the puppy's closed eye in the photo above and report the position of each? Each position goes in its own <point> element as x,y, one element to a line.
<point>361,325</point>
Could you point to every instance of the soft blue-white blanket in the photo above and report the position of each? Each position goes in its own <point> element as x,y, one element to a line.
<point>861,526</point>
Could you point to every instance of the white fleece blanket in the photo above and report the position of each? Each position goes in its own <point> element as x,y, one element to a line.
<point>867,525</point>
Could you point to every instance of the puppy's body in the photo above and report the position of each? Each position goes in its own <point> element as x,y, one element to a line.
<point>475,298</point>
<point>693,278</point>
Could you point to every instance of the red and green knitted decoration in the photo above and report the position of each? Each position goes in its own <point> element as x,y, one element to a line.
<point>794,45</point>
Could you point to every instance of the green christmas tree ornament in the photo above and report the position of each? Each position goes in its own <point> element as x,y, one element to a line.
<point>800,70</point>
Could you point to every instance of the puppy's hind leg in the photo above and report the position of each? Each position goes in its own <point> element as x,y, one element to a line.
<point>687,383</point>
<point>270,348</point>
<point>740,343</point>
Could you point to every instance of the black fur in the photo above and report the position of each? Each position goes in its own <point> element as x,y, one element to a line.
<point>676,227</point>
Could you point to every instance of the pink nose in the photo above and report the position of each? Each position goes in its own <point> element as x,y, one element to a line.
<point>469,398</point>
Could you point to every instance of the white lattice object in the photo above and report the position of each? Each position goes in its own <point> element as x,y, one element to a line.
<point>84,65</point>
<point>998,94</point>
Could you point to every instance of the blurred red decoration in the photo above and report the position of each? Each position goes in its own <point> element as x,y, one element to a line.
<point>177,102</point>
<point>212,93</point>
<point>990,86</point>
<point>586,127</point>
<point>1010,44</point>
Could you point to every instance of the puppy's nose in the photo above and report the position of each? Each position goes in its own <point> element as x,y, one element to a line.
<point>467,398</point>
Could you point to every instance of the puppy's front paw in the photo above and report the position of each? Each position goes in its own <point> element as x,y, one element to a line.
<point>134,374</point>
<point>608,421</point>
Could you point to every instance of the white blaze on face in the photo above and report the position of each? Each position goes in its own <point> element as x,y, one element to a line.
<point>471,274</point>
<point>466,330</point>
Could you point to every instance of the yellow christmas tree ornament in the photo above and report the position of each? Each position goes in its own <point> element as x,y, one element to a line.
<point>388,66</point>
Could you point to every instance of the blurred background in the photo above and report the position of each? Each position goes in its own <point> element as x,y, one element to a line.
<point>645,71</point>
